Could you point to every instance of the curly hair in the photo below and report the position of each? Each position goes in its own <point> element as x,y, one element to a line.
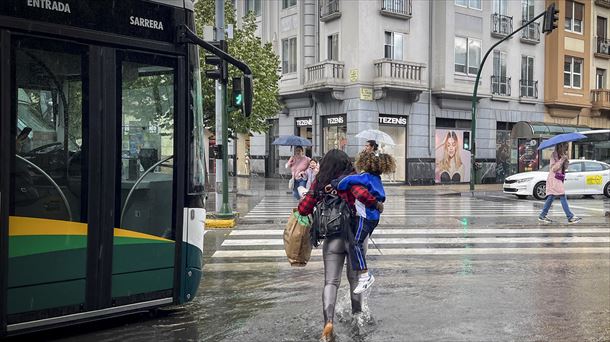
<point>376,163</point>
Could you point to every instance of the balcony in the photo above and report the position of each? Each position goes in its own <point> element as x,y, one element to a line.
<point>399,75</point>
<point>326,75</point>
<point>603,3</point>
<point>530,34</point>
<point>600,99</point>
<point>501,25</point>
<point>329,10</point>
<point>396,8</point>
<point>528,89</point>
<point>500,85</point>
<point>602,48</point>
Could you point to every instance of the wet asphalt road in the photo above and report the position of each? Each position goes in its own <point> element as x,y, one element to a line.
<point>448,268</point>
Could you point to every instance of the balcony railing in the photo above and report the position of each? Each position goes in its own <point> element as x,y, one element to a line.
<point>528,88</point>
<point>399,74</point>
<point>500,85</point>
<point>327,74</point>
<point>603,3</point>
<point>603,46</point>
<point>329,9</point>
<point>530,34</point>
<point>501,25</point>
<point>600,99</point>
<point>396,8</point>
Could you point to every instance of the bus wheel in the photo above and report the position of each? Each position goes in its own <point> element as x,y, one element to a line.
<point>540,191</point>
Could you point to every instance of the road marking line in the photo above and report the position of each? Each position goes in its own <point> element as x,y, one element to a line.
<point>427,251</point>
<point>437,241</point>
<point>457,231</point>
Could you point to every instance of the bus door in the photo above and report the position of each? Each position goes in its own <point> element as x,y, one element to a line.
<point>48,154</point>
<point>144,234</point>
<point>92,159</point>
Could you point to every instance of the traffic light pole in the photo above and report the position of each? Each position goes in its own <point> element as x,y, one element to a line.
<point>223,209</point>
<point>473,124</point>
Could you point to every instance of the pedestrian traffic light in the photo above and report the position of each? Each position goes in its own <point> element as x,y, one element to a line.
<point>237,95</point>
<point>466,141</point>
<point>241,94</point>
<point>219,71</point>
<point>551,16</point>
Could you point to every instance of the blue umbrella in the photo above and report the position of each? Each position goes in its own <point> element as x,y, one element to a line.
<point>291,140</point>
<point>558,139</point>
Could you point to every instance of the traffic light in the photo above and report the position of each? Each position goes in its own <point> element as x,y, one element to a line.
<point>237,95</point>
<point>241,94</point>
<point>466,145</point>
<point>551,16</point>
<point>219,72</point>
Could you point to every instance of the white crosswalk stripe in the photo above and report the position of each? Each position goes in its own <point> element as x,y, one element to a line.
<point>404,231</point>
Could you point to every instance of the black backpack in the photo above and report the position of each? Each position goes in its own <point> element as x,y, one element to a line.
<point>331,216</point>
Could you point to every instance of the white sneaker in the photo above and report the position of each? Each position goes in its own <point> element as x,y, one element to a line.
<point>364,283</point>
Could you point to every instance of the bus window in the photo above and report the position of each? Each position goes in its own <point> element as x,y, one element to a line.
<point>147,148</point>
<point>48,160</point>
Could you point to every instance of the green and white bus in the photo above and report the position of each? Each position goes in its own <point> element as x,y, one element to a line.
<point>102,160</point>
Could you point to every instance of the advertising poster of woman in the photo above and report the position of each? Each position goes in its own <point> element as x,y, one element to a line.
<point>452,162</point>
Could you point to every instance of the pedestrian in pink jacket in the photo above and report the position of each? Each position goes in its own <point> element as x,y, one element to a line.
<point>554,184</point>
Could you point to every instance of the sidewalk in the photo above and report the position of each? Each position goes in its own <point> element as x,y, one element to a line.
<point>256,186</point>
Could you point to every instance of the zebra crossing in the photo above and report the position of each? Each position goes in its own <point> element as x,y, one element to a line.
<point>431,226</point>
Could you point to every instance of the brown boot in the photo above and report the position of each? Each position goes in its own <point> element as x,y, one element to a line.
<point>327,333</point>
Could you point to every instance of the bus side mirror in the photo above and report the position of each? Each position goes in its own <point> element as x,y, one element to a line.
<point>466,145</point>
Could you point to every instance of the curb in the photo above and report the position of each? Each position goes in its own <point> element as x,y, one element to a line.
<point>219,224</point>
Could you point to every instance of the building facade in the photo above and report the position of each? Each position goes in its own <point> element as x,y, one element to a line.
<point>407,68</point>
<point>577,63</point>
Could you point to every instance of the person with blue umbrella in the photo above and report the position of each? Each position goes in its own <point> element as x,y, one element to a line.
<point>554,184</point>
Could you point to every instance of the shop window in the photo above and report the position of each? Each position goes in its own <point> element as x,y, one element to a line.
<point>334,133</point>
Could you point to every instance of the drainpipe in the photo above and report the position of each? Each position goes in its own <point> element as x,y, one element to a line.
<point>430,132</point>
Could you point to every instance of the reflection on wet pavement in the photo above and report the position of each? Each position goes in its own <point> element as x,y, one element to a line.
<point>448,268</point>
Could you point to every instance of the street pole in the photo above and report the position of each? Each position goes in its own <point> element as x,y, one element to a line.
<point>473,123</point>
<point>222,207</point>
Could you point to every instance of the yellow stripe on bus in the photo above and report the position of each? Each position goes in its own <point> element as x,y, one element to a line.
<point>118,232</point>
<point>22,226</point>
<point>28,226</point>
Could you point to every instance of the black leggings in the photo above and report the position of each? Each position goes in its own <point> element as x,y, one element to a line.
<point>334,252</point>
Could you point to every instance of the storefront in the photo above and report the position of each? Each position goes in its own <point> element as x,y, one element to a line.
<point>303,128</point>
<point>396,127</point>
<point>525,139</point>
<point>334,133</point>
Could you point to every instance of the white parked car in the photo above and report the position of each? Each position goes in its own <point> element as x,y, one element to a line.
<point>583,177</point>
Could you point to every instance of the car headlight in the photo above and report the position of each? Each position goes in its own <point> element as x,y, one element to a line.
<point>525,180</point>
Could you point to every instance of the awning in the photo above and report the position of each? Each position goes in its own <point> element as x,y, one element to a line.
<point>533,129</point>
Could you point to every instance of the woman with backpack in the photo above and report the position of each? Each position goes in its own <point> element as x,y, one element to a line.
<point>334,165</point>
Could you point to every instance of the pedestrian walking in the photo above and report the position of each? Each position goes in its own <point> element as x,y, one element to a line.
<point>554,184</point>
<point>336,164</point>
<point>310,175</point>
<point>370,146</point>
<point>371,166</point>
<point>298,164</point>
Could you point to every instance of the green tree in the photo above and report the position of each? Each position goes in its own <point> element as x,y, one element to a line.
<point>261,58</point>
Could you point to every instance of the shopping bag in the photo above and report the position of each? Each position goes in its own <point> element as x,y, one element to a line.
<point>296,239</point>
<point>291,184</point>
